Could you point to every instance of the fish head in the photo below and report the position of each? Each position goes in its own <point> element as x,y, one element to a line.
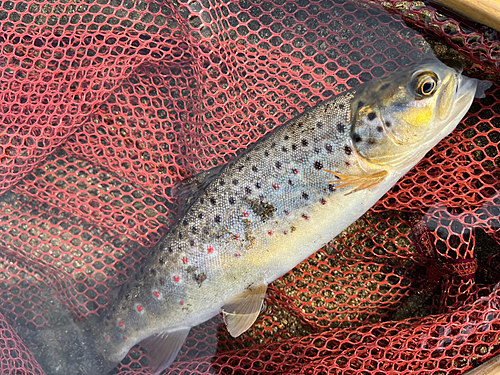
<point>395,120</point>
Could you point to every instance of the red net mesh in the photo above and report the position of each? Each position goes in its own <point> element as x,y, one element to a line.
<point>105,104</point>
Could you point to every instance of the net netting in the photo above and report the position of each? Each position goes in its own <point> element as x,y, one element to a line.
<point>104,104</point>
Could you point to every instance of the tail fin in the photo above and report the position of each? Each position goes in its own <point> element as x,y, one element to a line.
<point>67,347</point>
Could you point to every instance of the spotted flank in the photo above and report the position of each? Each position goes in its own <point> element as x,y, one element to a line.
<point>243,224</point>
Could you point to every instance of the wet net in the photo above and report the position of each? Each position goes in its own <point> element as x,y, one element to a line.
<point>104,104</point>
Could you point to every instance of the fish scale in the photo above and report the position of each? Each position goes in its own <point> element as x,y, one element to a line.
<point>244,224</point>
<point>275,188</point>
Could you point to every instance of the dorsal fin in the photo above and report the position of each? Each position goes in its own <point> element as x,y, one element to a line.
<point>190,189</point>
<point>162,348</point>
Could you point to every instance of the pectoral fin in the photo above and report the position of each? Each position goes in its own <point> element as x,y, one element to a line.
<point>163,348</point>
<point>359,182</point>
<point>240,313</point>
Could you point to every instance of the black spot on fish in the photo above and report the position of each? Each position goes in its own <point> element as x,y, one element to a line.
<point>341,106</point>
<point>290,182</point>
<point>286,137</point>
<point>348,150</point>
<point>248,190</point>
<point>127,295</point>
<point>329,148</point>
<point>305,142</point>
<point>185,222</point>
<point>331,187</point>
<point>240,168</point>
<point>273,145</point>
<point>258,185</point>
<point>294,147</point>
<point>385,86</point>
<point>360,104</point>
<point>200,216</point>
<point>217,219</point>
<point>347,163</point>
<point>357,138</point>
<point>152,271</point>
<point>371,116</point>
<point>231,200</point>
<point>162,281</point>
<point>170,249</point>
<point>247,158</point>
<point>191,242</point>
<point>316,150</point>
<point>255,169</point>
<point>318,165</point>
<point>278,165</point>
<point>284,149</point>
<point>266,153</point>
<point>194,230</point>
<point>299,125</point>
<point>222,182</point>
<point>371,141</point>
<point>212,200</point>
<point>379,129</point>
<point>161,261</point>
<point>388,124</point>
<point>202,200</point>
<point>305,195</point>
<point>235,182</point>
<point>180,236</point>
<point>320,124</point>
<point>340,127</point>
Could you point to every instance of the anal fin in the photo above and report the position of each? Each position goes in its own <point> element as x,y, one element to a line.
<point>359,182</point>
<point>162,348</point>
<point>241,312</point>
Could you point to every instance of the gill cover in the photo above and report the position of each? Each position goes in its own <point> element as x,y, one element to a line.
<point>392,116</point>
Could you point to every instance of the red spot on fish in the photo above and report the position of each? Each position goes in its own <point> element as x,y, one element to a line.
<point>177,278</point>
<point>323,201</point>
<point>276,186</point>
<point>246,214</point>
<point>182,303</point>
<point>210,249</point>
<point>107,337</point>
<point>139,308</point>
<point>236,236</point>
<point>305,216</point>
<point>124,337</point>
<point>270,232</point>
<point>285,232</point>
<point>185,260</point>
<point>237,254</point>
<point>156,294</point>
<point>120,323</point>
<point>295,171</point>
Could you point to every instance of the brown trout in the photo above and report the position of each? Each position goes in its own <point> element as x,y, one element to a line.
<point>246,223</point>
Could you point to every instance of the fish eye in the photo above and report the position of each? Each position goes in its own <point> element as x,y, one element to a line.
<point>426,84</point>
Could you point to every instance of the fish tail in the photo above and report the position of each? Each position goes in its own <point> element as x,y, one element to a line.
<point>71,348</point>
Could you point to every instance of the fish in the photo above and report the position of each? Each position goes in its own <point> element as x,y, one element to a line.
<point>243,224</point>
